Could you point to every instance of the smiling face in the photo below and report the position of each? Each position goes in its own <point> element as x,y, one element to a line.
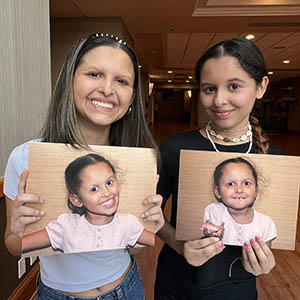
<point>103,88</point>
<point>99,193</point>
<point>237,186</point>
<point>228,93</point>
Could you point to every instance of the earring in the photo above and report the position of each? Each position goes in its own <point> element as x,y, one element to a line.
<point>129,110</point>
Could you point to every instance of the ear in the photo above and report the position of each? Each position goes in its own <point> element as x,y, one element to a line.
<point>262,87</point>
<point>75,200</point>
<point>216,192</point>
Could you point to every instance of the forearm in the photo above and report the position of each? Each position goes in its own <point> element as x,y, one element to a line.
<point>35,241</point>
<point>167,234</point>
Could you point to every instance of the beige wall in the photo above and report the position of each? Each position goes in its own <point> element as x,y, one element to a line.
<point>24,72</point>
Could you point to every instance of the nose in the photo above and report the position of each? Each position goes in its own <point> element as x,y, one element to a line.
<point>106,87</point>
<point>105,192</point>
<point>239,189</point>
<point>220,98</point>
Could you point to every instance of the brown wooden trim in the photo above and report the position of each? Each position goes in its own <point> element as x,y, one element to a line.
<point>27,288</point>
<point>1,187</point>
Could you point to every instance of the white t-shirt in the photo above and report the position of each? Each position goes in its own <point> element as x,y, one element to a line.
<point>67,272</point>
<point>237,234</point>
<point>72,233</point>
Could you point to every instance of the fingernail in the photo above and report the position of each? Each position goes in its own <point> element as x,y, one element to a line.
<point>43,213</point>
<point>145,201</point>
<point>258,238</point>
<point>142,216</point>
<point>252,241</point>
<point>216,239</point>
<point>41,200</point>
<point>246,245</point>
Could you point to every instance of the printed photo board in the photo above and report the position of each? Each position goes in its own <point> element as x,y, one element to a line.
<point>136,172</point>
<point>277,196</point>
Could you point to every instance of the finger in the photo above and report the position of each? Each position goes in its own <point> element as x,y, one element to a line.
<point>156,199</point>
<point>23,199</point>
<point>202,243</point>
<point>22,182</point>
<point>157,179</point>
<point>253,261</point>
<point>245,259</point>
<point>25,211</point>
<point>152,214</point>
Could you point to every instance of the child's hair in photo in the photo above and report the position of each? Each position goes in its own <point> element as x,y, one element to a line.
<point>73,176</point>
<point>218,173</point>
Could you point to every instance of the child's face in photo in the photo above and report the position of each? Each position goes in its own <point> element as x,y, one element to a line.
<point>99,191</point>
<point>237,186</point>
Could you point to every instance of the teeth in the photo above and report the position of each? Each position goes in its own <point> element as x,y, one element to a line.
<point>108,202</point>
<point>102,104</point>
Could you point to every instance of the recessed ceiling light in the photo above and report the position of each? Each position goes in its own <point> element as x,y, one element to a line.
<point>140,66</point>
<point>270,72</point>
<point>250,36</point>
<point>169,80</point>
<point>190,77</point>
<point>170,72</point>
<point>187,81</point>
<point>286,61</point>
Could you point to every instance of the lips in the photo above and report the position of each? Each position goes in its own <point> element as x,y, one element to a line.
<point>102,104</point>
<point>222,113</point>
<point>108,203</point>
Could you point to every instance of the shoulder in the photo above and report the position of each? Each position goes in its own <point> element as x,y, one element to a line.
<point>215,207</point>
<point>183,140</point>
<point>20,153</point>
<point>274,150</point>
<point>262,217</point>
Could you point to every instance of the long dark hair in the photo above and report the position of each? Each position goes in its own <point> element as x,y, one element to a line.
<point>253,63</point>
<point>73,176</point>
<point>62,124</point>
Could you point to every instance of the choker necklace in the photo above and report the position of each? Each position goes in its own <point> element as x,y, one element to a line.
<point>209,131</point>
<point>229,140</point>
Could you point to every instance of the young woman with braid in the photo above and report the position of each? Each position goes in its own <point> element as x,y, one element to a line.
<point>231,76</point>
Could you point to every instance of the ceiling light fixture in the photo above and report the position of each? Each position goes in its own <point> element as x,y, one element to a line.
<point>250,36</point>
<point>170,72</point>
<point>286,61</point>
<point>187,81</point>
<point>189,93</point>
<point>190,77</point>
<point>169,80</point>
<point>270,73</point>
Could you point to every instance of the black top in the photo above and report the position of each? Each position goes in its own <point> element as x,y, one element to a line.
<point>216,270</point>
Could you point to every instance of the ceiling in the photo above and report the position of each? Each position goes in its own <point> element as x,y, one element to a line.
<point>172,34</point>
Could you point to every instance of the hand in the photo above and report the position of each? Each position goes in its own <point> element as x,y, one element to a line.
<point>198,252</point>
<point>21,213</point>
<point>155,213</point>
<point>257,257</point>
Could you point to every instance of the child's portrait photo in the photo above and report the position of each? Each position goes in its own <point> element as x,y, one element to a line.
<point>237,198</point>
<point>88,215</point>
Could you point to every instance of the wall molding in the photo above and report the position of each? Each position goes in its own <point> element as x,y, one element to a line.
<point>1,187</point>
<point>27,288</point>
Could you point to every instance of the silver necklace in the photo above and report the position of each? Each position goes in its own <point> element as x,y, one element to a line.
<point>215,147</point>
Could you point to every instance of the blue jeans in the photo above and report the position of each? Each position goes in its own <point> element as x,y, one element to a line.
<point>131,288</point>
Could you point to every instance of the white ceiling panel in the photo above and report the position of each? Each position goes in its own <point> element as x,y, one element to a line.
<point>196,45</point>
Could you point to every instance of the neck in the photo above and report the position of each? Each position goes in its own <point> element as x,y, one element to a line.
<point>244,216</point>
<point>98,219</point>
<point>226,136</point>
<point>95,135</point>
